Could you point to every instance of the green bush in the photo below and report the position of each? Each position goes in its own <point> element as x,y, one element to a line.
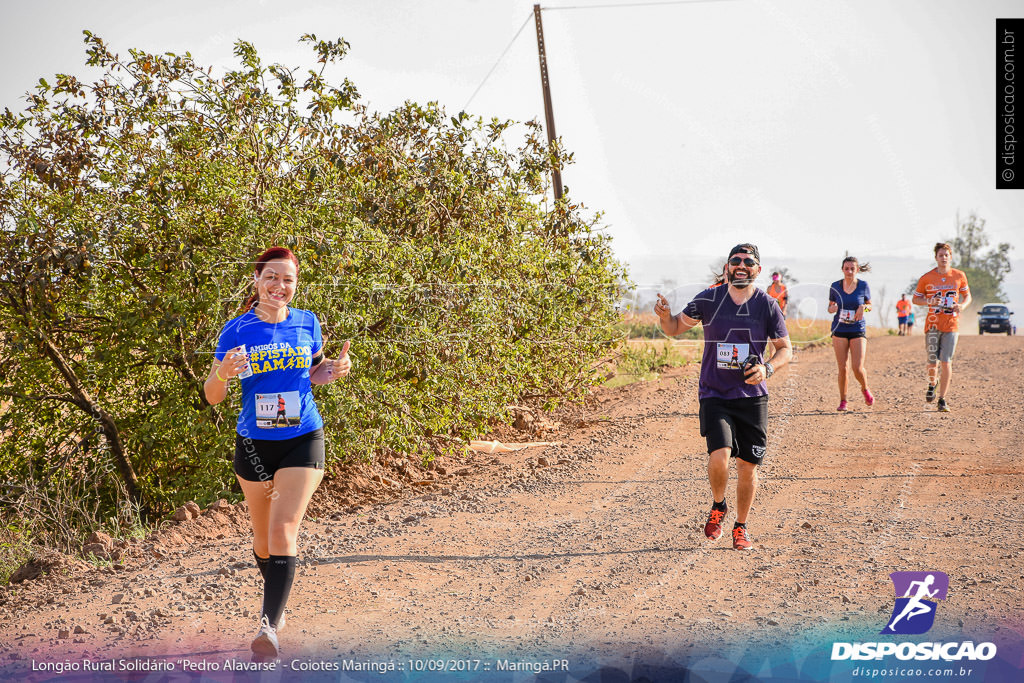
<point>131,210</point>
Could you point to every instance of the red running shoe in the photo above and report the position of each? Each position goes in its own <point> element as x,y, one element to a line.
<point>713,527</point>
<point>842,405</point>
<point>740,540</point>
<point>868,398</point>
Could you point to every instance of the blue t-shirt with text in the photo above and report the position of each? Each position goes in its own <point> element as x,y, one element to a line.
<point>277,399</point>
<point>843,321</point>
<point>731,333</point>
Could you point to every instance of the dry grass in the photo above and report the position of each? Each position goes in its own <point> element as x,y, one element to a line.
<point>643,327</point>
<point>646,350</point>
<point>15,549</point>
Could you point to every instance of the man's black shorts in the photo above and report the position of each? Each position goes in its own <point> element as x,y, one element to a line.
<point>260,459</point>
<point>737,423</point>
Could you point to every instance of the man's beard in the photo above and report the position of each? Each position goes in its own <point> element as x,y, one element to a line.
<point>740,282</point>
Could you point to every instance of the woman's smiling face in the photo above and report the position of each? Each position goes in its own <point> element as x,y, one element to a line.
<point>275,285</point>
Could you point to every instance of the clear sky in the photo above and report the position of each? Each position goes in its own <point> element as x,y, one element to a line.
<point>809,127</point>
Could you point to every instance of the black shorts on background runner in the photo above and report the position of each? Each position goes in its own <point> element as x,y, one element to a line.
<point>260,459</point>
<point>849,335</point>
<point>737,423</point>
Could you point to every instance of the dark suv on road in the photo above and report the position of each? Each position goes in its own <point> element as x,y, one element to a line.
<point>995,318</point>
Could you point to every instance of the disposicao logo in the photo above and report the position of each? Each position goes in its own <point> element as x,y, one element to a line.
<point>917,596</point>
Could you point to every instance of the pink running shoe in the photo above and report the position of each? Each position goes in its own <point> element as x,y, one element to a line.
<point>842,405</point>
<point>868,398</point>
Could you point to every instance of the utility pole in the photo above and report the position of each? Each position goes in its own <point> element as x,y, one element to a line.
<point>549,112</point>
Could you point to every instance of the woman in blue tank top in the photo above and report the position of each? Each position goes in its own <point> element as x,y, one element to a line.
<point>277,354</point>
<point>849,299</point>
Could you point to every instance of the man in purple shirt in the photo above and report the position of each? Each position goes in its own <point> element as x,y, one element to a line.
<point>734,400</point>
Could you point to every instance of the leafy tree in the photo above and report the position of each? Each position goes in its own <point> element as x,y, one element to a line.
<point>985,288</point>
<point>130,211</point>
<point>970,239</point>
<point>985,271</point>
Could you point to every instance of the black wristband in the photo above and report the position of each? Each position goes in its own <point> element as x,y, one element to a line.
<point>317,359</point>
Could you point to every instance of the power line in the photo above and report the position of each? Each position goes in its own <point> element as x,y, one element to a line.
<point>504,52</point>
<point>573,7</point>
<point>635,4</point>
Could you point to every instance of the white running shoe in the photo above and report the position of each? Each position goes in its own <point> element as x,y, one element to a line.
<point>265,642</point>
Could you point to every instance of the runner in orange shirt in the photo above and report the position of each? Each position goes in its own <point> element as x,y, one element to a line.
<point>945,291</point>
<point>902,312</point>
<point>778,291</point>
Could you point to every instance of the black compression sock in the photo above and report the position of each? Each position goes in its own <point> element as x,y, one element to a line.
<point>261,564</point>
<point>739,525</point>
<point>280,574</point>
<point>720,506</point>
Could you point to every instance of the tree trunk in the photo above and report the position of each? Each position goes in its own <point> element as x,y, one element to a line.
<point>186,370</point>
<point>106,422</point>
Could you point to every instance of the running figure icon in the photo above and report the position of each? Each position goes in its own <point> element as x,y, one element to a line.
<point>917,599</point>
<point>915,606</point>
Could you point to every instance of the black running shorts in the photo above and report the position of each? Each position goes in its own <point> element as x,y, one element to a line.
<point>737,423</point>
<point>260,459</point>
<point>849,335</point>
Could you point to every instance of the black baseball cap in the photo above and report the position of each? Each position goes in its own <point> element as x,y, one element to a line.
<point>746,248</point>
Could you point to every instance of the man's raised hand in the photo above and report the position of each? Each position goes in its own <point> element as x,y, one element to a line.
<point>661,308</point>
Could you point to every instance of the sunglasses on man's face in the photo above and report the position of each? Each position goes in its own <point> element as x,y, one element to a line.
<point>748,262</point>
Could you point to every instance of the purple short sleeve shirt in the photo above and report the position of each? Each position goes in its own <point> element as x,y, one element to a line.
<point>731,333</point>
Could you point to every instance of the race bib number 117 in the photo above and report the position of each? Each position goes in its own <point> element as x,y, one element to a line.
<point>282,409</point>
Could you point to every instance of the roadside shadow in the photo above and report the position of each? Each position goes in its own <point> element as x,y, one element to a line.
<point>661,416</point>
<point>618,482</point>
<point>832,477</point>
<point>441,559</point>
<point>830,413</point>
<point>823,412</point>
<point>894,475</point>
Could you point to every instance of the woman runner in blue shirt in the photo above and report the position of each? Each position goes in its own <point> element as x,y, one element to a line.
<point>277,352</point>
<point>849,299</point>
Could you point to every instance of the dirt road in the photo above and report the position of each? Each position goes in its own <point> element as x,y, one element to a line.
<point>598,554</point>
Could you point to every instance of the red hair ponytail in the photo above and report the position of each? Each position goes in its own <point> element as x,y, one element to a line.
<point>272,254</point>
